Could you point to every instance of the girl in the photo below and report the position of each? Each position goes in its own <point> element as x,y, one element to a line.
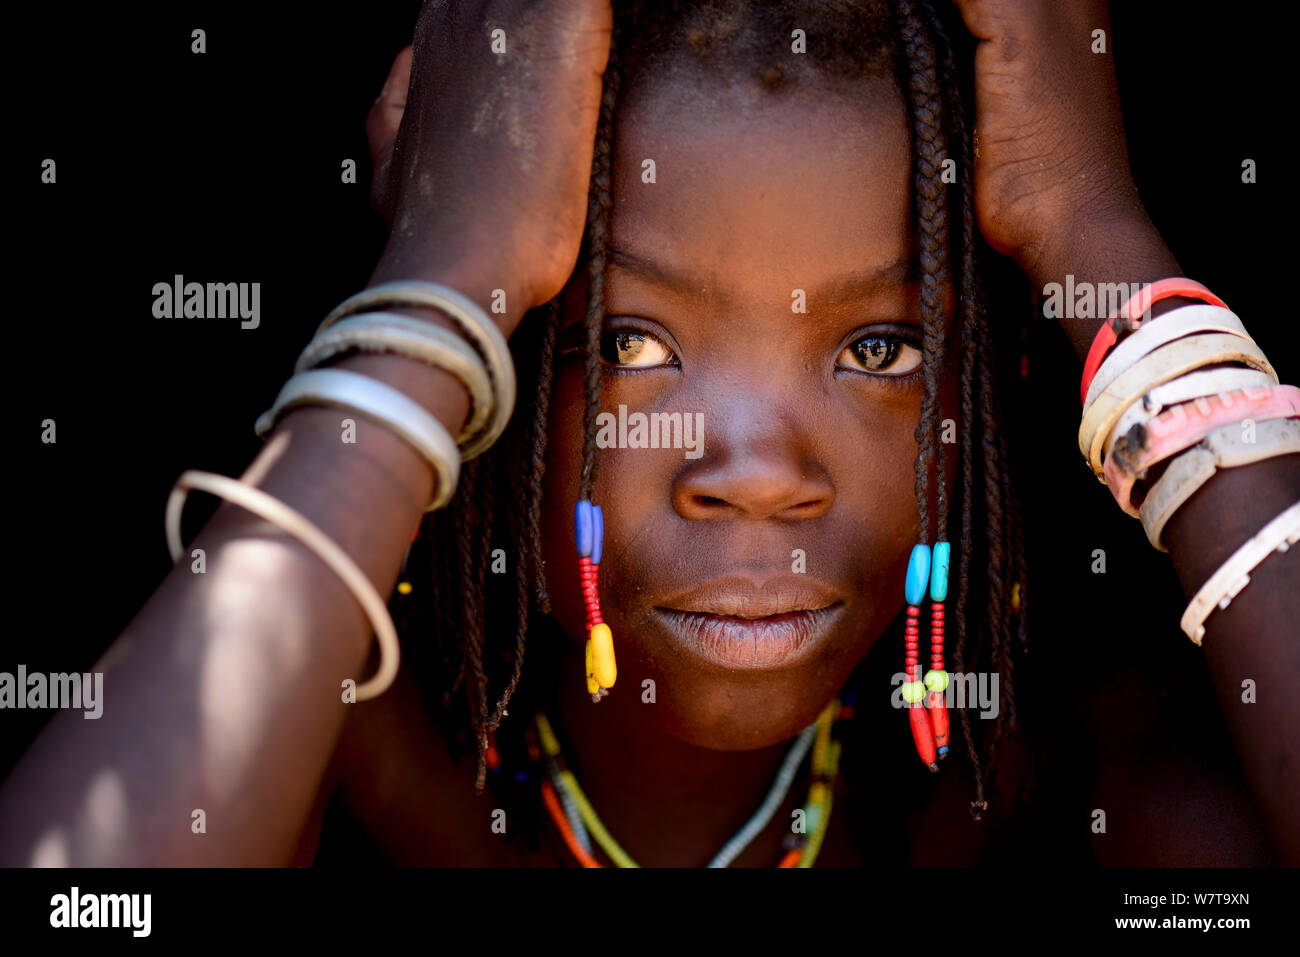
<point>780,238</point>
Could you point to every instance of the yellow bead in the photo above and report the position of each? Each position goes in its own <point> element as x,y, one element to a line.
<point>602,654</point>
<point>913,691</point>
<point>593,686</point>
<point>403,588</point>
<point>936,680</point>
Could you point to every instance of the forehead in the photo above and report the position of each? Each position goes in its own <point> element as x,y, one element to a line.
<point>758,193</point>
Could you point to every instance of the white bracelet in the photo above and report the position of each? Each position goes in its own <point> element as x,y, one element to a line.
<point>384,404</point>
<point>1224,448</point>
<point>1195,385</point>
<point>287,520</point>
<point>470,319</point>
<point>1234,574</point>
<point>1175,324</point>
<point>419,340</point>
<point>1171,361</point>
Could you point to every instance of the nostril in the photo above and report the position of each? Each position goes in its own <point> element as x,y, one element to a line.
<point>710,500</point>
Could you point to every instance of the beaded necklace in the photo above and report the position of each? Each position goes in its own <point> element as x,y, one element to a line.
<point>578,823</point>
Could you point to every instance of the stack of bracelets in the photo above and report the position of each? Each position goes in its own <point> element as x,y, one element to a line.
<point>479,358</point>
<point>1182,396</point>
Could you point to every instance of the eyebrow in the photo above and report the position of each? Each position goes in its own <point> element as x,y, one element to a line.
<point>844,290</point>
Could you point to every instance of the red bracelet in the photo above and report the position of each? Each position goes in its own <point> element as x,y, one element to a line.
<point>1131,315</point>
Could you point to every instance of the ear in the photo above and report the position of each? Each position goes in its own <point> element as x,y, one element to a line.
<point>382,124</point>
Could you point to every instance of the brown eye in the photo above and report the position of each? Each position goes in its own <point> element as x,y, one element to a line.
<point>635,349</point>
<point>882,355</point>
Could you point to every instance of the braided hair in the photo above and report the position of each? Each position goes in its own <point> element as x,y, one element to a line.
<point>845,41</point>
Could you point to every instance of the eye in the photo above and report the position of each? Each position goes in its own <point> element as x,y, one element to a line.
<point>638,350</point>
<point>881,355</point>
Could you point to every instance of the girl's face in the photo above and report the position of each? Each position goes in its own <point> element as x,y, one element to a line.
<point>763,285</point>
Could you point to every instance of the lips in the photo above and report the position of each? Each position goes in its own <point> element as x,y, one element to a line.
<point>744,625</point>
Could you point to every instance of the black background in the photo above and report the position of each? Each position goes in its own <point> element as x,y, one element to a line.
<point>226,167</point>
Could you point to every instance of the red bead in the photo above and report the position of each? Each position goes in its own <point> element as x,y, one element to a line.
<point>923,735</point>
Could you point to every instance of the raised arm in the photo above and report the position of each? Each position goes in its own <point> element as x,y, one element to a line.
<point>1054,192</point>
<point>224,694</point>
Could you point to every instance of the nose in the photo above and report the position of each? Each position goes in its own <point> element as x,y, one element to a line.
<point>761,475</point>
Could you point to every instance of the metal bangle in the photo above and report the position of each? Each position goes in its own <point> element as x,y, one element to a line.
<point>470,319</point>
<point>425,342</point>
<point>382,403</point>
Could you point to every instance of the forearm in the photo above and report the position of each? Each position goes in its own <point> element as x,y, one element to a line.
<point>225,692</point>
<point>1255,637</point>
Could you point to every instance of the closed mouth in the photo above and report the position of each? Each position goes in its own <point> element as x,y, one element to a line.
<point>752,636</point>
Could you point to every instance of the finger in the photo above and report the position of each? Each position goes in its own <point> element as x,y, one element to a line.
<point>382,123</point>
<point>979,16</point>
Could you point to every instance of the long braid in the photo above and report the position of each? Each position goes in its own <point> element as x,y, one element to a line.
<point>529,567</point>
<point>536,464</point>
<point>598,206</point>
<point>472,599</point>
<point>926,104</point>
<point>970,321</point>
<point>923,99</point>
<point>971,318</point>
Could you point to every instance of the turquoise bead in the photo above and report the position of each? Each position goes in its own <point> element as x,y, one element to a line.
<point>939,571</point>
<point>583,527</point>
<point>918,574</point>
<point>597,533</point>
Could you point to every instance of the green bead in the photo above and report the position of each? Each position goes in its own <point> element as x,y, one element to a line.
<point>936,680</point>
<point>913,692</point>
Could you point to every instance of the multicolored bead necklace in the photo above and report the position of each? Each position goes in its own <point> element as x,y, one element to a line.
<point>578,823</point>
<point>929,724</point>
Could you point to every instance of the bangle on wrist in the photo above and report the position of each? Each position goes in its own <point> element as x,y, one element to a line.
<point>1130,315</point>
<point>292,523</point>
<point>1224,448</point>
<point>1234,574</point>
<point>385,405</point>
<point>1184,425</point>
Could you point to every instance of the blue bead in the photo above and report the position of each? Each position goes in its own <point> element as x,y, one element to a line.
<point>918,574</point>
<point>939,571</point>
<point>582,527</point>
<point>597,534</point>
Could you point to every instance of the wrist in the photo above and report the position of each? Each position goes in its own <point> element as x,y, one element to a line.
<point>1113,245</point>
<point>491,285</point>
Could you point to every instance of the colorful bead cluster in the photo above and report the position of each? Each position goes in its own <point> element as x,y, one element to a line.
<point>589,533</point>
<point>924,697</point>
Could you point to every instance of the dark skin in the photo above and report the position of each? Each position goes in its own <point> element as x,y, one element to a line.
<point>675,779</point>
<point>821,186</point>
<point>771,484</point>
